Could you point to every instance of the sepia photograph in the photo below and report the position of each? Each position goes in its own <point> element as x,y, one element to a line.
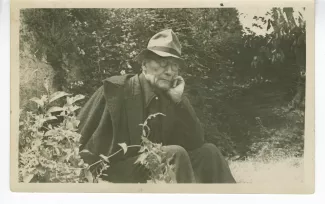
<point>152,96</point>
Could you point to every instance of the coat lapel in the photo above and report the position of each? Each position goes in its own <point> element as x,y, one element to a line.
<point>134,109</point>
<point>167,121</point>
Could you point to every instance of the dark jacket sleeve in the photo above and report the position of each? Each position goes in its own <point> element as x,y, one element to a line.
<point>188,127</point>
<point>95,127</point>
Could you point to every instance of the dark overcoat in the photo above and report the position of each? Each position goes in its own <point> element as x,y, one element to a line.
<point>113,114</point>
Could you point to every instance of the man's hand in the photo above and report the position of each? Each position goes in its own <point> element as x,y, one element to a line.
<point>177,90</point>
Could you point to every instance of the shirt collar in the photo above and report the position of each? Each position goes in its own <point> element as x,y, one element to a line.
<point>148,92</point>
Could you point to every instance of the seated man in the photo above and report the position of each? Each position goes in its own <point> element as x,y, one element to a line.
<point>113,114</point>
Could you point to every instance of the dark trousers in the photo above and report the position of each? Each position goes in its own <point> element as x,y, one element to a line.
<point>203,165</point>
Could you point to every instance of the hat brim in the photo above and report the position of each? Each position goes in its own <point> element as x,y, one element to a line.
<point>160,53</point>
<point>140,56</point>
<point>165,54</point>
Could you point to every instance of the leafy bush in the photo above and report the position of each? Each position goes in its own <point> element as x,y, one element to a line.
<point>48,149</point>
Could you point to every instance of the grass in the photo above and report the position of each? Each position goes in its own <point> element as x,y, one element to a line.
<point>274,170</point>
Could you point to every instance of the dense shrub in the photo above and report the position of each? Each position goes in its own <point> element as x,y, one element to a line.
<point>48,141</point>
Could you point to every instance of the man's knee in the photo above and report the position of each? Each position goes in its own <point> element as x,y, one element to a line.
<point>210,153</point>
<point>212,165</point>
<point>209,149</point>
<point>176,151</point>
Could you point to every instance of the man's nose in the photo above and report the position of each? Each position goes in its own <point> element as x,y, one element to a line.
<point>169,70</point>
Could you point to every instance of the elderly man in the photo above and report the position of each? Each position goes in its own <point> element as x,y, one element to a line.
<point>113,114</point>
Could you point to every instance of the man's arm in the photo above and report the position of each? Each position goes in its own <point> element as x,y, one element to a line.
<point>187,130</point>
<point>188,127</point>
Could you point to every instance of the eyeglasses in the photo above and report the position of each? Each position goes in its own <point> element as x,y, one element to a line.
<point>165,62</point>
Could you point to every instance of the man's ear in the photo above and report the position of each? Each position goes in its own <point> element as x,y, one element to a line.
<point>143,66</point>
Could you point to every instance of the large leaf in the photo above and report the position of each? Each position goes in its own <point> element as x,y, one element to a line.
<point>69,125</point>
<point>57,95</point>
<point>124,147</point>
<point>141,159</point>
<point>76,123</point>
<point>74,108</point>
<point>38,101</point>
<point>69,101</point>
<point>142,149</point>
<point>50,118</point>
<point>51,132</point>
<point>55,109</point>
<point>77,98</point>
<point>28,177</point>
<point>87,156</point>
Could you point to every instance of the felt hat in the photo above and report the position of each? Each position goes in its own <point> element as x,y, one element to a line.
<point>164,44</point>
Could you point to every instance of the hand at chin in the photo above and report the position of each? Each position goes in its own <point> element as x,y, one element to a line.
<point>164,85</point>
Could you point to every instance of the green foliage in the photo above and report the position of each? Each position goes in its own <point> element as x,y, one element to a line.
<point>154,158</point>
<point>48,151</point>
<point>103,42</point>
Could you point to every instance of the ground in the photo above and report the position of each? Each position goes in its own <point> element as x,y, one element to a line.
<point>285,170</point>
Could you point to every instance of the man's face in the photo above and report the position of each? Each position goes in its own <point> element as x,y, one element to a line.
<point>160,71</point>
